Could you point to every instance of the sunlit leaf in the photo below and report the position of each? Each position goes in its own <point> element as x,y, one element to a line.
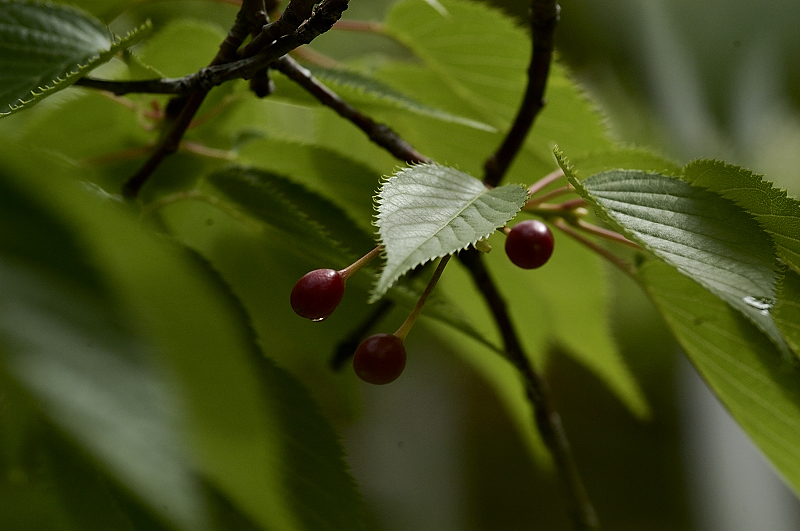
<point>629,158</point>
<point>428,211</point>
<point>705,236</point>
<point>181,47</point>
<point>787,309</point>
<point>472,63</point>
<point>756,384</point>
<point>46,47</point>
<point>777,213</point>
<point>479,53</point>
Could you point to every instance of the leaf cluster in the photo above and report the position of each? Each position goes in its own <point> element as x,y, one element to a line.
<point>152,343</point>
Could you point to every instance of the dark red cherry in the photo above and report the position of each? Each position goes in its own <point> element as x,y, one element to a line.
<point>380,359</point>
<point>317,294</point>
<point>529,244</point>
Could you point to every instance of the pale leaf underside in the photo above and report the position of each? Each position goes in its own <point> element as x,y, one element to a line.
<point>429,211</point>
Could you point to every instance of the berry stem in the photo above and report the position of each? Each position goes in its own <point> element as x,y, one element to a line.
<point>545,181</point>
<point>605,233</point>
<point>617,261</point>
<point>402,332</point>
<point>568,189</point>
<point>353,268</point>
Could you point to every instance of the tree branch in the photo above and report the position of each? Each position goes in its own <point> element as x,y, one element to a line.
<point>547,419</point>
<point>543,18</point>
<point>151,86</point>
<point>379,133</point>
<point>223,67</point>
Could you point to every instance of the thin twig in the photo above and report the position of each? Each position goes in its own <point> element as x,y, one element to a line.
<point>321,19</point>
<point>543,17</point>
<point>150,86</point>
<point>605,233</point>
<point>379,133</point>
<point>569,189</point>
<point>548,179</point>
<point>547,419</point>
<point>218,72</point>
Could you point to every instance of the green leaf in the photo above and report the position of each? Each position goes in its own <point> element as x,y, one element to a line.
<point>777,213</point>
<point>323,494</point>
<point>181,47</point>
<point>196,342</point>
<point>480,54</point>
<point>372,89</point>
<point>339,178</point>
<point>742,366</point>
<point>428,211</point>
<point>787,310</point>
<point>71,350</point>
<point>309,219</point>
<point>705,236</point>
<point>472,63</point>
<point>46,47</point>
<point>628,158</point>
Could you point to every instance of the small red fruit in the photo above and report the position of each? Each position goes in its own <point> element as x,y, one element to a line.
<point>317,294</point>
<point>380,359</point>
<point>530,244</point>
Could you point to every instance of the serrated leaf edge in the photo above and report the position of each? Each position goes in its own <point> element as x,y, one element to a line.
<point>773,193</point>
<point>376,295</point>
<point>571,176</point>
<point>117,43</point>
<point>386,93</point>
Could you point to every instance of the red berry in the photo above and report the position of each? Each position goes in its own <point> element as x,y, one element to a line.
<point>529,244</point>
<point>317,294</point>
<point>380,359</point>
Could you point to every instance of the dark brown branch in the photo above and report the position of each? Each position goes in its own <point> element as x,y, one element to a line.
<point>379,133</point>
<point>151,86</point>
<point>255,57</point>
<point>296,12</point>
<point>322,19</point>
<point>543,17</point>
<point>547,419</point>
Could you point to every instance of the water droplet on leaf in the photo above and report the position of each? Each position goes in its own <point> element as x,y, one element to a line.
<point>761,304</point>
